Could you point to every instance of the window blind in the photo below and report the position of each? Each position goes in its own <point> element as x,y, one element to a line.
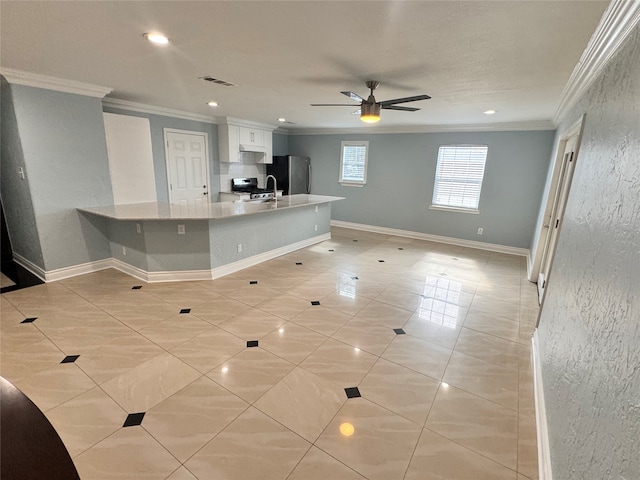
<point>354,159</point>
<point>459,175</point>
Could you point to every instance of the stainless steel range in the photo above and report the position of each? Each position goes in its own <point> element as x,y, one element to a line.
<point>250,186</point>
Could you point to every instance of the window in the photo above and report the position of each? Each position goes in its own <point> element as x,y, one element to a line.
<point>459,176</point>
<point>353,163</point>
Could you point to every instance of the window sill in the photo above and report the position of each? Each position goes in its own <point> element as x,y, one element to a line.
<point>472,211</point>
<point>349,184</point>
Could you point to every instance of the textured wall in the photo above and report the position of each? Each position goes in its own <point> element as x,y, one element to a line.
<point>65,154</point>
<point>15,192</point>
<point>401,173</point>
<point>265,232</point>
<point>589,332</point>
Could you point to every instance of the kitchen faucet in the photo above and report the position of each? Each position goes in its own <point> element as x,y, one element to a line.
<point>275,187</point>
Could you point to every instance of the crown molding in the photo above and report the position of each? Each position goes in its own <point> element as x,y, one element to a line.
<point>20,77</point>
<point>478,127</point>
<point>166,112</point>
<point>245,123</point>
<point>617,22</point>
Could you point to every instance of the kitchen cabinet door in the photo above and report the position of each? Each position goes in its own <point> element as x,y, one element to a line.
<point>251,136</point>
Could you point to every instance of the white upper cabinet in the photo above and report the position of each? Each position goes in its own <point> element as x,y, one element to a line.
<point>229,143</point>
<point>252,136</point>
<point>237,138</point>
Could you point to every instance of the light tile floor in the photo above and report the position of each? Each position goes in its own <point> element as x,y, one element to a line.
<point>435,337</point>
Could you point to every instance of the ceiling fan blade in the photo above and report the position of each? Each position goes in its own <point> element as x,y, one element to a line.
<point>353,96</point>
<point>404,109</point>
<point>405,100</point>
<point>334,105</point>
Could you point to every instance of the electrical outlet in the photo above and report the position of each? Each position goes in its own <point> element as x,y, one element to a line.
<point>180,229</point>
<point>124,251</point>
<point>480,231</point>
<point>239,248</point>
<point>21,173</point>
<point>138,228</point>
<point>316,228</point>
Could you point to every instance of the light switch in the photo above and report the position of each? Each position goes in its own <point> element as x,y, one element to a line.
<point>180,229</point>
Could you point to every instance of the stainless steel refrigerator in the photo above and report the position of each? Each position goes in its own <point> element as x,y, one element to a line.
<point>292,173</point>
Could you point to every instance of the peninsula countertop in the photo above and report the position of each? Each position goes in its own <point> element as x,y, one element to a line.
<point>204,211</point>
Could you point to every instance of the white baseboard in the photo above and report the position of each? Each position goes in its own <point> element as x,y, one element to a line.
<point>263,257</point>
<point>166,276</point>
<point>75,270</point>
<point>28,265</point>
<point>157,277</point>
<point>544,452</point>
<point>492,247</point>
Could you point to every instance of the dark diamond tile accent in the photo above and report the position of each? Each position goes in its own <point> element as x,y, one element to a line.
<point>331,250</point>
<point>185,310</point>
<point>315,302</point>
<point>29,320</point>
<point>399,331</point>
<point>400,248</point>
<point>443,274</point>
<point>136,287</point>
<point>355,240</point>
<point>252,343</point>
<point>354,278</point>
<point>454,258</point>
<point>70,358</point>
<point>133,419</point>
<point>352,392</point>
<point>298,263</point>
<point>381,261</point>
<point>253,282</point>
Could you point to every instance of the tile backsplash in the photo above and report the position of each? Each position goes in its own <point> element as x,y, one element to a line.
<point>246,168</point>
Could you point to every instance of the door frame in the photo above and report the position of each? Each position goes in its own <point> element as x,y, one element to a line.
<point>165,141</point>
<point>544,228</point>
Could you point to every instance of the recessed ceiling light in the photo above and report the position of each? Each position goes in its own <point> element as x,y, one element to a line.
<point>282,119</point>
<point>489,112</point>
<point>157,38</point>
<point>212,104</point>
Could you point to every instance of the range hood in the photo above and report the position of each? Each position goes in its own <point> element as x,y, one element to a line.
<point>252,148</point>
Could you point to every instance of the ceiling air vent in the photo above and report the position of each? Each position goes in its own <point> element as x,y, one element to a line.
<point>209,78</point>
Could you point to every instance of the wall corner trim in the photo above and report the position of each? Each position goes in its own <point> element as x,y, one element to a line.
<point>20,77</point>
<point>492,247</point>
<point>29,266</point>
<point>617,22</point>
<point>544,452</point>
<point>166,112</point>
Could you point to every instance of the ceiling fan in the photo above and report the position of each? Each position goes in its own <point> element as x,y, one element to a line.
<point>369,108</point>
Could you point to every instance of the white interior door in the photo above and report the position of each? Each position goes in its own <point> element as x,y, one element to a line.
<point>554,221</point>
<point>187,166</point>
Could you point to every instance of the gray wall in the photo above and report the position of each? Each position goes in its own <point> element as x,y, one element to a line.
<point>589,333</point>
<point>400,180</point>
<point>280,144</point>
<point>159,122</point>
<point>65,157</point>
<point>16,195</point>
<point>276,229</point>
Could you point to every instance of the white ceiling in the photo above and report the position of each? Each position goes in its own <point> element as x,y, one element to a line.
<point>511,56</point>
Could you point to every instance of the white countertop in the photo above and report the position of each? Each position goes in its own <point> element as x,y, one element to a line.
<point>203,211</point>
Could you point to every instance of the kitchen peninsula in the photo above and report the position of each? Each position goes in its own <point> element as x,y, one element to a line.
<point>166,242</point>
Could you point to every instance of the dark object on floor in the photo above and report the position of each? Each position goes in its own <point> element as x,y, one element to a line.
<point>30,448</point>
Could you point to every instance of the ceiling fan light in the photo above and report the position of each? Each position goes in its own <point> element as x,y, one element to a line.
<point>370,118</point>
<point>370,112</point>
